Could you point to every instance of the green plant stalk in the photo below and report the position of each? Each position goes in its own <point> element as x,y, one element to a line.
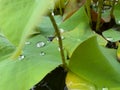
<point>113,5</point>
<point>59,38</point>
<point>61,5</point>
<point>100,5</point>
<point>87,6</point>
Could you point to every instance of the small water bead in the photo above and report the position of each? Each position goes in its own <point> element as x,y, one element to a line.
<point>94,5</point>
<point>62,37</point>
<point>53,14</point>
<point>57,38</point>
<point>40,44</point>
<point>27,43</point>
<point>105,88</point>
<point>42,53</point>
<point>119,22</point>
<point>61,30</point>
<point>33,88</point>
<point>21,57</point>
<point>59,49</point>
<point>109,38</point>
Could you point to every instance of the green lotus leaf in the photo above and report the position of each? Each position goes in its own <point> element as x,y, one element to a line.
<point>6,48</point>
<point>39,57</point>
<point>116,12</point>
<point>20,17</point>
<point>75,20</point>
<point>96,64</point>
<point>72,39</point>
<point>14,15</point>
<point>112,35</point>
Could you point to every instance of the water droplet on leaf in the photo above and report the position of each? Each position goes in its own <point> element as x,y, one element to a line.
<point>105,88</point>
<point>40,44</point>
<point>57,38</point>
<point>61,30</point>
<point>42,53</point>
<point>58,49</point>
<point>21,57</point>
<point>109,38</point>
<point>119,22</point>
<point>33,88</point>
<point>52,13</point>
<point>62,37</point>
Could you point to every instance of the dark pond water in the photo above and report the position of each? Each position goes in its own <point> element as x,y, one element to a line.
<point>55,80</point>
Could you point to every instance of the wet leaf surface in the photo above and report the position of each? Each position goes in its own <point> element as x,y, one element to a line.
<point>46,28</point>
<point>40,55</point>
<point>30,67</point>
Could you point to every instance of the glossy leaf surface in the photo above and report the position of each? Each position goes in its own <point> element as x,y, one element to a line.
<point>112,35</point>
<point>6,48</point>
<point>75,20</point>
<point>116,13</point>
<point>46,28</point>
<point>14,15</point>
<point>73,38</point>
<point>96,64</point>
<point>118,52</point>
<point>34,64</point>
<point>20,17</point>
